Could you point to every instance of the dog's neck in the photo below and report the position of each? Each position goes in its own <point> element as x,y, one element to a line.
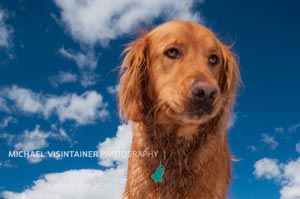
<point>167,141</point>
<point>187,131</point>
<point>168,136</point>
<point>175,153</point>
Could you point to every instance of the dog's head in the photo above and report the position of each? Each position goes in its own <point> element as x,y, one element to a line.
<point>179,70</point>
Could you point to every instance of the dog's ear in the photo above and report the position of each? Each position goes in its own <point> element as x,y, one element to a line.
<point>230,76</point>
<point>132,81</point>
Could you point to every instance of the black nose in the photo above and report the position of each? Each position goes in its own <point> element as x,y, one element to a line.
<point>204,92</point>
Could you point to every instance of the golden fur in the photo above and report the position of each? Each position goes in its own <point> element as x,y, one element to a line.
<point>155,95</point>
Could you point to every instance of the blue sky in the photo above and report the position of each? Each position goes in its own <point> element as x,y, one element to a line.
<point>58,83</point>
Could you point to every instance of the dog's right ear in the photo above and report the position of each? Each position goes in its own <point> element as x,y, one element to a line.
<point>132,81</point>
<point>230,78</point>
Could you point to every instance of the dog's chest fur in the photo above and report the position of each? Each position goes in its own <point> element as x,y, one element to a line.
<point>188,166</point>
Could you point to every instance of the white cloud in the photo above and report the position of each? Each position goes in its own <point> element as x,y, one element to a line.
<point>92,183</point>
<point>5,30</point>
<point>6,120</point>
<point>83,61</point>
<point>35,159</point>
<point>83,109</point>
<point>35,139</point>
<point>32,140</point>
<point>293,128</point>
<point>113,90</point>
<point>298,147</point>
<point>288,175</point>
<point>77,184</point>
<point>8,137</point>
<point>24,99</point>
<point>252,148</point>
<point>111,147</point>
<point>267,168</point>
<point>279,129</point>
<point>61,78</point>
<point>290,129</point>
<point>3,105</point>
<point>291,173</point>
<point>99,21</point>
<point>86,63</point>
<point>88,78</point>
<point>7,164</point>
<point>269,141</point>
<point>232,120</point>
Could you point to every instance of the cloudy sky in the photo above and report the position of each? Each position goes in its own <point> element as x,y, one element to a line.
<point>58,88</point>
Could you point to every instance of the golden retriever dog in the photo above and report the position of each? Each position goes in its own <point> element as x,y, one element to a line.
<point>178,85</point>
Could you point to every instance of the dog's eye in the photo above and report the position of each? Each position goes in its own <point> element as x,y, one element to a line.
<point>172,53</point>
<point>213,59</point>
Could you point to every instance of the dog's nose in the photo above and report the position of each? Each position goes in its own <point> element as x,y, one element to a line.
<point>204,92</point>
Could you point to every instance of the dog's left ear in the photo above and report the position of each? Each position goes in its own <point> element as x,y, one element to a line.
<point>133,81</point>
<point>230,76</point>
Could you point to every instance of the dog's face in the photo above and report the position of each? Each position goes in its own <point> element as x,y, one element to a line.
<point>187,74</point>
<point>186,68</point>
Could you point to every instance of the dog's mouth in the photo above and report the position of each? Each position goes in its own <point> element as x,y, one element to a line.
<point>198,109</point>
<point>197,115</point>
<point>191,113</point>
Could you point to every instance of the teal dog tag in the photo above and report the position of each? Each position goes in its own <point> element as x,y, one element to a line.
<point>158,174</point>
